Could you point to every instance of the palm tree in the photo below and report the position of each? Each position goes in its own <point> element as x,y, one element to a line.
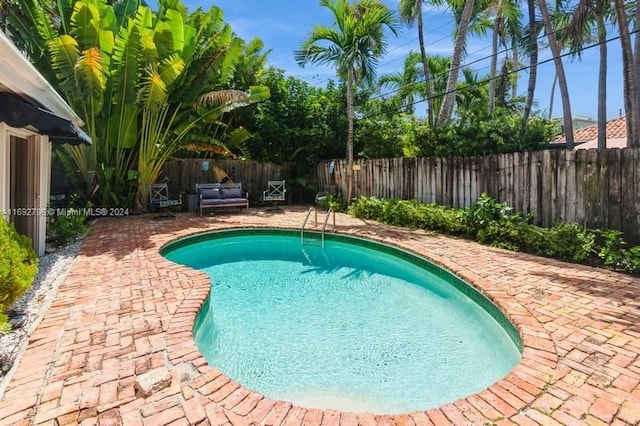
<point>406,83</point>
<point>631,97</point>
<point>353,48</point>
<point>636,48</point>
<point>411,12</point>
<point>562,79</point>
<point>446,110</point>
<point>587,14</point>
<point>532,51</point>
<point>507,18</point>
<point>439,67</point>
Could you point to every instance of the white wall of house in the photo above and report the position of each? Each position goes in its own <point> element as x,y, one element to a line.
<point>25,174</point>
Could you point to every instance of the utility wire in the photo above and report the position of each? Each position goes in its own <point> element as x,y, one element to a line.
<point>468,64</point>
<point>478,83</point>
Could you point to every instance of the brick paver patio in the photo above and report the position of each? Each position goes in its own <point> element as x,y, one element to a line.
<point>124,310</point>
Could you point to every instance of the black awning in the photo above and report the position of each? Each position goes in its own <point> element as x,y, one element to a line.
<point>20,111</point>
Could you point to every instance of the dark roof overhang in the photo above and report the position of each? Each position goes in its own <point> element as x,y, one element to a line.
<point>20,111</point>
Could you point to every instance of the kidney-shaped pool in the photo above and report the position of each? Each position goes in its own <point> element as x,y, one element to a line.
<point>354,326</point>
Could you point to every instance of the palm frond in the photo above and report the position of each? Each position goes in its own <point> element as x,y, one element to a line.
<point>64,55</point>
<point>91,78</point>
<point>85,24</point>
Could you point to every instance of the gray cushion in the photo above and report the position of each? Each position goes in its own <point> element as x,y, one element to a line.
<point>231,193</point>
<point>209,193</point>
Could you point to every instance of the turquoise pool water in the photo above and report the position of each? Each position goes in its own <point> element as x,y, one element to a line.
<point>346,327</point>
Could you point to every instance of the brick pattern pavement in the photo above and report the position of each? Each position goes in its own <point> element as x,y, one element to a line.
<point>124,310</point>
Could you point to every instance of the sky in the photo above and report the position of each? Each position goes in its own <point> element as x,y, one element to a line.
<point>283,25</point>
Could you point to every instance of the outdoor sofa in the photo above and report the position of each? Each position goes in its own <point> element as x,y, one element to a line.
<point>221,195</point>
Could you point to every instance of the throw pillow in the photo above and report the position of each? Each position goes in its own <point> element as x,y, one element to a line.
<point>231,193</point>
<point>209,193</point>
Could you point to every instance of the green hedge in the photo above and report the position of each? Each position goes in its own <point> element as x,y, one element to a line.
<point>18,268</point>
<point>491,222</point>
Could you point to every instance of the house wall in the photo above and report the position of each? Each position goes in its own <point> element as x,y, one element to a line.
<point>34,176</point>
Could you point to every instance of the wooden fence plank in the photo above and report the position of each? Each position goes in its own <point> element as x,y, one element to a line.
<point>594,189</point>
<point>570,197</point>
<point>535,192</point>
<point>615,196</point>
<point>591,190</point>
<point>603,188</point>
<point>561,187</point>
<point>628,212</point>
<point>580,158</point>
<point>636,191</point>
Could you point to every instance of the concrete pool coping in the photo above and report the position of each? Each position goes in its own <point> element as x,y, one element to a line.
<point>124,310</point>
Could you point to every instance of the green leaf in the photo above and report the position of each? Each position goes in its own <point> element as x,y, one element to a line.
<point>175,24</point>
<point>171,68</point>
<point>85,24</point>
<point>91,79</point>
<point>64,55</point>
<point>106,46</point>
<point>132,174</point>
<point>124,65</point>
<point>123,126</point>
<point>153,92</point>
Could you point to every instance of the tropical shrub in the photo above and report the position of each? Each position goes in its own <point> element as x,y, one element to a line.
<point>18,268</point>
<point>495,223</point>
<point>500,133</point>
<point>614,253</point>
<point>67,224</point>
<point>409,213</point>
<point>335,202</point>
<point>565,240</point>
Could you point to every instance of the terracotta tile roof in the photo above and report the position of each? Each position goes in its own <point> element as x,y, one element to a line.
<point>616,128</point>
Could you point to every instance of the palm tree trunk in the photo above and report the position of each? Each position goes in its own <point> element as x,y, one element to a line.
<point>552,95</point>
<point>515,65</point>
<point>350,82</point>
<point>562,79</point>
<point>533,62</point>
<point>636,51</point>
<point>629,78</point>
<point>446,110</point>
<point>493,64</point>
<point>425,68</point>
<point>602,83</point>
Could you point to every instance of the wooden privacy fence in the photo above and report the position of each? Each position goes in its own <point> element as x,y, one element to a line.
<point>597,189</point>
<point>183,174</point>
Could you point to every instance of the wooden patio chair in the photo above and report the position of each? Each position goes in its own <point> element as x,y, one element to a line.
<point>159,200</point>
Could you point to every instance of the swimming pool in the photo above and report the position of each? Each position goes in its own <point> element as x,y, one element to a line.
<point>356,326</point>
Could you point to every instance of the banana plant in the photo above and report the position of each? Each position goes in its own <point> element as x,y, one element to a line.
<point>160,138</point>
<point>124,67</point>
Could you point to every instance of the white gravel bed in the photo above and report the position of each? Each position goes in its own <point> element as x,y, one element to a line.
<point>52,270</point>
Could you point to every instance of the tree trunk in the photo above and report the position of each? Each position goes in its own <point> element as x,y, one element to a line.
<point>552,95</point>
<point>350,82</point>
<point>533,62</point>
<point>425,68</point>
<point>562,79</point>
<point>446,110</point>
<point>602,83</point>
<point>515,65</point>
<point>629,78</point>
<point>636,51</point>
<point>494,63</point>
